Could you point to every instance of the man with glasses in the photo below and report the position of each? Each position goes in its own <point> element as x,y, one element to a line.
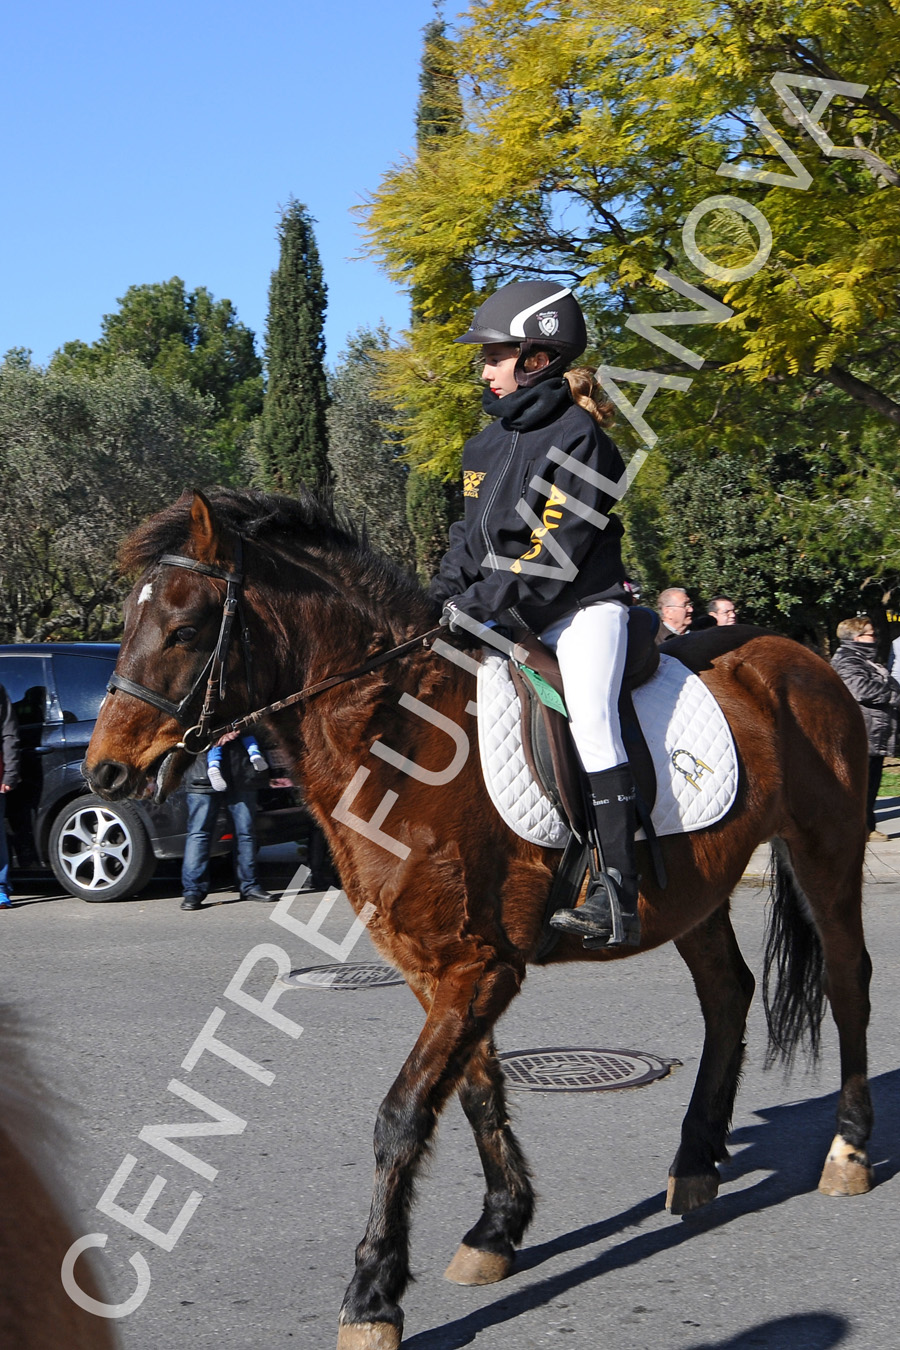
<point>675,611</point>
<point>722,610</point>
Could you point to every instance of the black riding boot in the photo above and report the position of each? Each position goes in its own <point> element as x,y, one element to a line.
<point>612,794</point>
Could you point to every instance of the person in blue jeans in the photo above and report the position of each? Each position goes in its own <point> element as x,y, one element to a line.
<point>9,777</point>
<point>242,784</point>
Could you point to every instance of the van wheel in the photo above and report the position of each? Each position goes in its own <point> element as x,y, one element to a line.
<point>100,851</point>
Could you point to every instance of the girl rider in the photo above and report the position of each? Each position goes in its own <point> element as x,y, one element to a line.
<point>559,572</point>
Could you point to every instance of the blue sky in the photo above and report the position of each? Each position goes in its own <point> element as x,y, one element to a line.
<point>148,141</point>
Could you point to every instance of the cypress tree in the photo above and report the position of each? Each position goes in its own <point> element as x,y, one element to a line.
<point>370,477</point>
<point>293,438</point>
<point>431,504</point>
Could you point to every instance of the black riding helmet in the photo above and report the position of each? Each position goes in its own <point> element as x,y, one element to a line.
<point>535,316</point>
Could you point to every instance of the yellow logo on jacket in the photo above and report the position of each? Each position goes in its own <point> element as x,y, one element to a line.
<point>550,519</point>
<point>471,483</point>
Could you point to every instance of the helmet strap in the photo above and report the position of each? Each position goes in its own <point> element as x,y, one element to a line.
<point>527,379</point>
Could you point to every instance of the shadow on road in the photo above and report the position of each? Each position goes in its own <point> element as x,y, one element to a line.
<point>812,1331</point>
<point>778,1145</point>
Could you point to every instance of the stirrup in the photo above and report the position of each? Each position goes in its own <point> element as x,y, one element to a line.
<point>611,927</point>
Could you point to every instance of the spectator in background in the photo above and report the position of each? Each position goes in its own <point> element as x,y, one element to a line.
<point>894,658</point>
<point>675,611</point>
<point>878,695</point>
<point>722,609</point>
<point>242,784</point>
<point>9,777</point>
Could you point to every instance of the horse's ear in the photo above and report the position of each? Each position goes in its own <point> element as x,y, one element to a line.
<point>206,536</point>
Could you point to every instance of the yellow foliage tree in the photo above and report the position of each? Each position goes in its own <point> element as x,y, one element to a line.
<point>594,131</point>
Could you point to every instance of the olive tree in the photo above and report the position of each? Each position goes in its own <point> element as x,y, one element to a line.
<point>82,460</point>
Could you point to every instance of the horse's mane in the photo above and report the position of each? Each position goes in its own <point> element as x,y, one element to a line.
<point>309,521</point>
<point>246,511</point>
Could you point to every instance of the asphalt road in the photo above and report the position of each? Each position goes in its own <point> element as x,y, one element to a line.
<point>114,996</point>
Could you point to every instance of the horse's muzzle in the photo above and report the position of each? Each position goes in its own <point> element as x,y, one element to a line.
<point>113,781</point>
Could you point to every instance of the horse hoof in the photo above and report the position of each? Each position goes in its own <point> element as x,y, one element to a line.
<point>470,1266</point>
<point>846,1171</point>
<point>687,1193</point>
<point>369,1336</point>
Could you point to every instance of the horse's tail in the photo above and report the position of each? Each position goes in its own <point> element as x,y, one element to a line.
<point>794,967</point>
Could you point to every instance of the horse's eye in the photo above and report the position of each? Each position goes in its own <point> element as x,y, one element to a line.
<point>185,634</point>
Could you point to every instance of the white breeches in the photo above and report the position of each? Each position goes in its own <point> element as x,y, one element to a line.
<point>590,647</point>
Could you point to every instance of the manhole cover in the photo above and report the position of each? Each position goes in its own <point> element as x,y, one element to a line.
<point>582,1070</point>
<point>363,975</point>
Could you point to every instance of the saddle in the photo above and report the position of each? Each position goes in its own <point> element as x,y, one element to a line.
<point>553,760</point>
<point>547,743</point>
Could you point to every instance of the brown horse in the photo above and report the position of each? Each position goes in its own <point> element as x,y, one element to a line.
<point>459,899</point>
<point>36,1312</point>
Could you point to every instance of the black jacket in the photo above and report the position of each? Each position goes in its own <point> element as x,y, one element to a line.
<point>490,566</point>
<point>9,742</point>
<point>876,692</point>
<point>236,770</point>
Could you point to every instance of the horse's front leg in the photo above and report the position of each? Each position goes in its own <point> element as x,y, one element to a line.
<point>488,1249</point>
<point>466,1004</point>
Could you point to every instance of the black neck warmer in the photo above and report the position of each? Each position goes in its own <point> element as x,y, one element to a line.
<point>527,408</point>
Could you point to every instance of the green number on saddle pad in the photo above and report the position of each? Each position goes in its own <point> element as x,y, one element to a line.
<point>545,692</point>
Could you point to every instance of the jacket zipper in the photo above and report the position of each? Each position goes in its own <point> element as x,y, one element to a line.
<point>489,507</point>
<point>493,497</point>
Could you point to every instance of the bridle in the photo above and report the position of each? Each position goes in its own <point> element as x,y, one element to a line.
<point>201,735</point>
<point>214,670</point>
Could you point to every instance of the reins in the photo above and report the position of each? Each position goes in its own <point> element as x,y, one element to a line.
<point>202,735</point>
<point>249,719</point>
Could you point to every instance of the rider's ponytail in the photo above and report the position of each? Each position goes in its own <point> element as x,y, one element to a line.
<point>586,393</point>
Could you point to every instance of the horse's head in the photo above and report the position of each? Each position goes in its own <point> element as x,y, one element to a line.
<point>177,637</point>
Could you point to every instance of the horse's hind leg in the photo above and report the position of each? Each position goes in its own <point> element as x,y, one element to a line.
<point>487,1250</point>
<point>827,886</point>
<point>724,985</point>
<point>466,1004</point>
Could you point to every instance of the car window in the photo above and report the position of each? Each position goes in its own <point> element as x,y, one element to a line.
<point>25,680</point>
<point>81,684</point>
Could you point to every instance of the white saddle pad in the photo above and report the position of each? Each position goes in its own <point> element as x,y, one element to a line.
<point>690,742</point>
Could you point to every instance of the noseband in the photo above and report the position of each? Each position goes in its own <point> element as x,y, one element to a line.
<point>214,670</point>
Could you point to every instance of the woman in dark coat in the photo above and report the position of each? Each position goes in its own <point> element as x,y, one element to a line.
<point>878,696</point>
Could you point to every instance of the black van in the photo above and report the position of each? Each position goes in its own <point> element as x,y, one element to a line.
<point>97,850</point>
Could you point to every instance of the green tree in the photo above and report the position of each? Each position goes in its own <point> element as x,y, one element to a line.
<point>293,435</point>
<point>430,511</point>
<point>369,477</point>
<point>414,372</point>
<point>186,338</point>
<point>732,528</point>
<point>83,458</point>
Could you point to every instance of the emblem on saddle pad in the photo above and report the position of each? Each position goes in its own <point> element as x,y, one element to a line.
<point>693,769</point>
